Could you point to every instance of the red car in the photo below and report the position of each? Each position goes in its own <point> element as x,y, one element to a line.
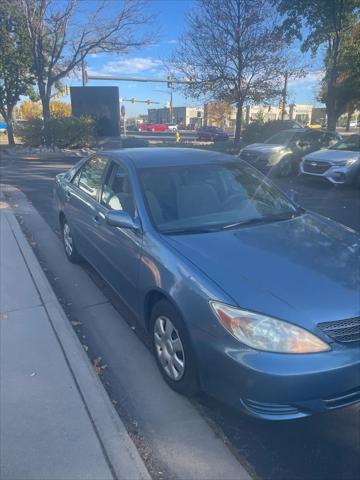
<point>153,128</point>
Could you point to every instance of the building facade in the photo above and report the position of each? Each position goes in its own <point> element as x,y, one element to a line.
<point>183,116</point>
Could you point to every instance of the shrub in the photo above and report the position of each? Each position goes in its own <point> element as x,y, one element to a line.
<point>65,132</point>
<point>258,131</point>
<point>133,142</point>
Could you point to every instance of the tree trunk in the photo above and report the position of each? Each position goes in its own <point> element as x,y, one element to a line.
<point>239,110</point>
<point>348,119</point>
<point>10,126</point>
<point>45,100</point>
<point>331,110</point>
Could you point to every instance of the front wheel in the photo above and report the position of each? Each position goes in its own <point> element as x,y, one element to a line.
<point>69,244</point>
<point>172,349</point>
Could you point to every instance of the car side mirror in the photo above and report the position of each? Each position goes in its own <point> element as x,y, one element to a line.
<point>293,196</point>
<point>122,219</point>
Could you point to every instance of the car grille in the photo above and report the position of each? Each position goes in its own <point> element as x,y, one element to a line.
<point>261,408</point>
<point>316,167</point>
<point>343,400</point>
<point>343,331</point>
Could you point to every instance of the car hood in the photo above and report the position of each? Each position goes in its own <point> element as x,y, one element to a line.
<point>304,270</point>
<point>332,156</point>
<point>265,148</point>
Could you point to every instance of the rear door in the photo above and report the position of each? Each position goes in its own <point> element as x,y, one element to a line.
<point>81,200</point>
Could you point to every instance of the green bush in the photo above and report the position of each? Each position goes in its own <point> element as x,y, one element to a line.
<point>133,142</point>
<point>259,131</point>
<point>30,132</point>
<point>65,132</point>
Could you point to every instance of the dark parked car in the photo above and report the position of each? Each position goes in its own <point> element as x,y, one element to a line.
<point>340,164</point>
<point>211,134</point>
<point>281,153</point>
<point>244,294</point>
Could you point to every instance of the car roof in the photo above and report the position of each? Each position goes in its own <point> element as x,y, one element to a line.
<point>166,157</point>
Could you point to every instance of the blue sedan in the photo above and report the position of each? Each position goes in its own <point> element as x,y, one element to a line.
<point>245,295</point>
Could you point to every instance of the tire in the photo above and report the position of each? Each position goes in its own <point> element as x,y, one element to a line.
<point>68,242</point>
<point>357,180</point>
<point>285,167</point>
<point>176,361</point>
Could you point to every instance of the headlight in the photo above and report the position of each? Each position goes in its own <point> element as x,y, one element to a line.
<point>267,333</point>
<point>345,163</point>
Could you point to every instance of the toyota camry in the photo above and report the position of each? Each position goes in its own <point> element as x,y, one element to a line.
<point>244,294</point>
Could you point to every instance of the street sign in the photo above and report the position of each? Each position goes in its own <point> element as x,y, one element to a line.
<point>123,110</point>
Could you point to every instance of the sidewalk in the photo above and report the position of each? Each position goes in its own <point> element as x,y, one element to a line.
<point>56,420</point>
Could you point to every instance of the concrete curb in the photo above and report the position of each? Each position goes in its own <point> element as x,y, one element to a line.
<point>121,453</point>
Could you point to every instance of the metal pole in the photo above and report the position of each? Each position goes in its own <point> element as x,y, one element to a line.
<point>83,73</point>
<point>171,105</point>
<point>284,96</point>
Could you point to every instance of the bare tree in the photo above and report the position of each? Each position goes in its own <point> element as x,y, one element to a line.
<point>233,51</point>
<point>62,34</point>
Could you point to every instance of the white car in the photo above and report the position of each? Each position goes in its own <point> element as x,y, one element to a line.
<point>338,164</point>
<point>172,127</point>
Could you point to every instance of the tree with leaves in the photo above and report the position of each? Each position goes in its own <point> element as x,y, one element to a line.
<point>233,51</point>
<point>15,62</point>
<point>63,34</point>
<point>347,86</point>
<point>329,24</point>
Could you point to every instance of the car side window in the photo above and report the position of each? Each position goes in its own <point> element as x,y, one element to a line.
<point>116,192</point>
<point>89,176</point>
<point>312,137</point>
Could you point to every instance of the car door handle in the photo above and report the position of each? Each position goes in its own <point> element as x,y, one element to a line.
<point>96,219</point>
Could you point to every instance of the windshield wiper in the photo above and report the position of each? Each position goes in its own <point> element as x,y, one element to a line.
<point>257,221</point>
<point>184,231</point>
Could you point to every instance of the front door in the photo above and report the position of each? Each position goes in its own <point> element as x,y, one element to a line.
<point>120,247</point>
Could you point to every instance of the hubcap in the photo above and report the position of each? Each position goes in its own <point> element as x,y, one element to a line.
<point>68,239</point>
<point>169,348</point>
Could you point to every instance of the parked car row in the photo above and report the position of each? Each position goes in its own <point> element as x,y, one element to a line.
<point>157,127</point>
<point>311,152</point>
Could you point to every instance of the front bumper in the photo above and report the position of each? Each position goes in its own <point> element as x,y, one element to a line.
<point>281,386</point>
<point>331,172</point>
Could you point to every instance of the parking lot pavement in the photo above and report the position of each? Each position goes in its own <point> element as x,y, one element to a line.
<point>324,447</point>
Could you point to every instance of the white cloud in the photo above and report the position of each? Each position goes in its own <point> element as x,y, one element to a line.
<point>171,41</point>
<point>128,66</point>
<point>312,77</point>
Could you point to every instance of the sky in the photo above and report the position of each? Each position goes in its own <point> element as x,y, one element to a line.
<point>149,62</point>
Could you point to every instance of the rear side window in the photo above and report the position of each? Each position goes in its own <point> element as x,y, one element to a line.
<point>89,177</point>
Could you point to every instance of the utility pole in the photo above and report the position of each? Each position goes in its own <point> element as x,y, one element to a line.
<point>84,75</point>
<point>284,96</point>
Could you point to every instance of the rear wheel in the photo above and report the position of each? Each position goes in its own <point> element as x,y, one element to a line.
<point>172,349</point>
<point>69,244</point>
<point>357,180</point>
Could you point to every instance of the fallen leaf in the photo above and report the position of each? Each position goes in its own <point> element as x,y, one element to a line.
<point>86,348</point>
<point>76,324</point>
<point>32,374</point>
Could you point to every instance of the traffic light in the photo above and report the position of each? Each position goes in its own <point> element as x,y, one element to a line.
<point>169,81</point>
<point>148,101</point>
<point>67,90</point>
<point>133,99</point>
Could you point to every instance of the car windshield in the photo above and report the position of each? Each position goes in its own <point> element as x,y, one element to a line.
<point>211,197</point>
<point>283,138</point>
<point>351,144</point>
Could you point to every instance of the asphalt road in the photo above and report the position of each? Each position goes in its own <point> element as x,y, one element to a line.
<point>323,447</point>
